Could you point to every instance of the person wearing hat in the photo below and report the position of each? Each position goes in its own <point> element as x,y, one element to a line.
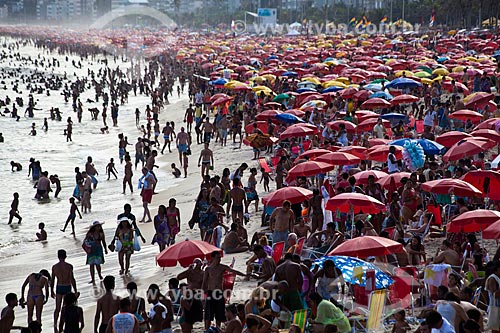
<point>95,244</point>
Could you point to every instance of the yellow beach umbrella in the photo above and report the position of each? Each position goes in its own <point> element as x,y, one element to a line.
<point>440,71</point>
<point>426,81</point>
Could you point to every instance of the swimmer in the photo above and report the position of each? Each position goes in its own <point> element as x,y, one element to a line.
<point>15,165</point>
<point>42,235</point>
<point>14,209</point>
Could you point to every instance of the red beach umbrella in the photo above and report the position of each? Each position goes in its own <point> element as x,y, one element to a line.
<point>448,139</point>
<point>380,153</point>
<point>185,252</point>
<point>362,177</point>
<point>487,133</point>
<point>335,125</point>
<point>375,103</point>
<point>291,193</point>
<point>473,221</point>
<point>313,153</point>
<point>465,115</point>
<point>468,147</point>
<point>492,231</point>
<point>354,203</point>
<point>404,99</point>
<point>338,158</point>
<point>366,246</point>
<point>299,130</point>
<point>447,185</point>
<point>309,168</point>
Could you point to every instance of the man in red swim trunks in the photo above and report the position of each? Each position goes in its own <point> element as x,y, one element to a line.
<point>189,117</point>
<point>147,183</point>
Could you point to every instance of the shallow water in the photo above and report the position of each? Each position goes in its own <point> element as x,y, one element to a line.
<point>59,157</point>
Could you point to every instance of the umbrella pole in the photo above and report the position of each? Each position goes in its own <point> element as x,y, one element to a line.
<point>352,223</point>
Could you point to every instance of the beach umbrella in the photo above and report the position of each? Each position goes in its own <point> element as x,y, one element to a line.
<point>313,104</point>
<point>313,153</point>
<point>375,103</point>
<point>381,94</point>
<point>465,115</point>
<point>404,99</point>
<point>476,99</point>
<point>354,203</point>
<point>447,185</point>
<point>185,252</point>
<point>348,93</point>
<point>473,221</point>
<point>261,125</point>
<point>392,181</point>
<point>362,95</point>
<point>486,181</point>
<point>354,150</point>
<point>272,105</point>
<point>448,139</point>
<point>492,231</point>
<point>219,82</point>
<point>290,74</point>
<point>221,100</point>
<point>281,97</point>
<point>492,123</point>
<point>347,266</point>
<point>258,140</point>
<point>292,193</point>
<point>268,114</point>
<point>468,147</point>
<point>299,130</point>
<point>380,153</point>
<point>362,176</point>
<point>395,117</point>
<point>378,142</point>
<point>366,246</point>
<point>215,97</point>
<point>309,168</point>
<point>288,118</point>
<point>339,158</point>
<point>296,112</point>
<point>430,147</point>
<point>403,83</point>
<point>331,89</point>
<point>335,125</point>
<point>373,87</point>
<point>306,89</point>
<point>486,133</point>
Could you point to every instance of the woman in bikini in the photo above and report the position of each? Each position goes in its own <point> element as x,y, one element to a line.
<point>36,297</point>
<point>173,220</point>
<point>125,235</point>
<point>161,226</point>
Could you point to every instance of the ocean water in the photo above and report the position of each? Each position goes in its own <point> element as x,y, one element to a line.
<point>59,157</point>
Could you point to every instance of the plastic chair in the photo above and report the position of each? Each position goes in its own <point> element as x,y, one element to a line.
<point>278,251</point>
<point>228,285</point>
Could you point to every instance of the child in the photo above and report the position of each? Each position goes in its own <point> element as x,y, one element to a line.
<point>71,314</point>
<point>185,163</point>
<point>14,209</point>
<point>176,172</point>
<point>42,235</point>
<point>110,168</point>
<point>7,313</point>
<point>265,177</point>
<point>105,130</point>
<point>400,326</point>
<point>72,215</point>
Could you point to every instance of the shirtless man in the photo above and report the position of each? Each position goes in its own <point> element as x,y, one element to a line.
<point>212,285</point>
<point>139,152</point>
<point>237,200</point>
<point>301,229</point>
<point>43,186</point>
<point>447,255</point>
<point>232,242</point>
<point>233,323</point>
<point>193,275</point>
<point>182,143</point>
<point>236,127</point>
<point>208,130</point>
<point>150,165</point>
<point>163,306</point>
<point>316,211</point>
<point>167,133</point>
<point>107,306</point>
<point>206,159</point>
<point>282,221</point>
<point>63,272</point>
<point>290,272</point>
<point>189,117</point>
<point>7,315</point>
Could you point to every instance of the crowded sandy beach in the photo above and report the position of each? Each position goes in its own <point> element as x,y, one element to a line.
<point>235,183</point>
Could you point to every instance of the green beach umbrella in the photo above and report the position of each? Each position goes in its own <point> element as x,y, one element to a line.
<point>379,81</point>
<point>281,97</point>
<point>425,69</point>
<point>422,74</point>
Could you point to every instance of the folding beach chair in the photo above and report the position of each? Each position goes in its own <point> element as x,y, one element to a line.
<point>299,318</point>
<point>278,251</point>
<point>374,315</point>
<point>300,245</point>
<point>228,282</point>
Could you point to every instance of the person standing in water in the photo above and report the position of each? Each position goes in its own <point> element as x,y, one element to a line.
<point>62,272</point>
<point>110,169</point>
<point>14,209</point>
<point>127,174</point>
<point>69,130</point>
<point>72,216</point>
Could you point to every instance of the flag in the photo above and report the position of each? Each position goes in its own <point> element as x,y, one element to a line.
<point>433,18</point>
<point>384,19</point>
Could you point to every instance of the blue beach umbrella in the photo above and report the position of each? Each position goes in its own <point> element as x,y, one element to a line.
<point>290,73</point>
<point>347,265</point>
<point>430,147</point>
<point>382,94</point>
<point>403,83</point>
<point>305,89</point>
<point>395,117</point>
<point>331,89</point>
<point>373,86</point>
<point>219,82</point>
<point>288,118</point>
